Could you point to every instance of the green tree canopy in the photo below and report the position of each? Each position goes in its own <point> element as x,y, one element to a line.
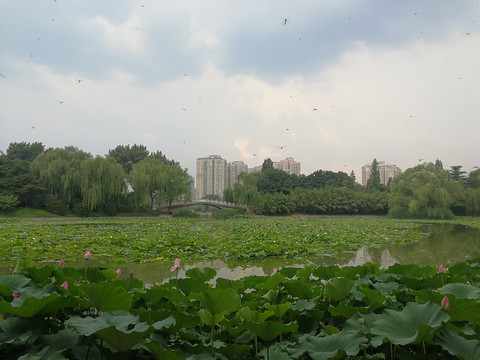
<point>421,192</point>
<point>267,164</point>
<point>17,179</point>
<point>128,156</point>
<point>374,182</point>
<point>101,181</point>
<point>157,181</point>
<point>25,151</point>
<point>59,172</point>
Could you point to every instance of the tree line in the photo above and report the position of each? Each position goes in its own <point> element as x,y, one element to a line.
<point>130,178</point>
<point>58,179</point>
<point>427,191</point>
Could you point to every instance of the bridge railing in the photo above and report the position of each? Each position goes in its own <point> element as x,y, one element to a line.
<point>217,203</point>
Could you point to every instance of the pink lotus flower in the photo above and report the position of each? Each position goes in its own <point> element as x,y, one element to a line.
<point>16,295</point>
<point>445,303</point>
<point>65,285</point>
<point>87,255</point>
<point>131,273</point>
<point>441,268</point>
<point>119,272</point>
<point>62,262</point>
<point>176,265</point>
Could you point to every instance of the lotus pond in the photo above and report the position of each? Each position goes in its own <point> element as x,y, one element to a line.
<point>79,310</point>
<point>235,247</point>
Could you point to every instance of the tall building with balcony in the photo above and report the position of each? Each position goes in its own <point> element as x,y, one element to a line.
<point>289,165</point>
<point>211,176</point>
<point>387,172</point>
<point>234,169</point>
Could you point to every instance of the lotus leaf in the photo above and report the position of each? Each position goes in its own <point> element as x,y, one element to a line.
<point>326,347</point>
<point>338,288</point>
<point>412,325</point>
<point>105,296</point>
<point>119,329</point>
<point>460,291</point>
<point>459,346</point>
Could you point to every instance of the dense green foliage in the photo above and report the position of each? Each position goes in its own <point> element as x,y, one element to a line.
<point>364,312</point>
<point>31,176</point>
<point>236,238</point>
<point>62,180</point>
<point>426,191</point>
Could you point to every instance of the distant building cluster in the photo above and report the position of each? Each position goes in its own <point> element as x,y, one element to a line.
<point>214,174</point>
<point>387,172</point>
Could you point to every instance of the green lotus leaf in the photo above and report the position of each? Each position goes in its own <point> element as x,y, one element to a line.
<point>36,300</point>
<point>253,315</point>
<point>327,347</point>
<point>210,319</point>
<point>459,346</point>
<point>165,323</point>
<point>299,289</point>
<point>347,311</point>
<point>269,330</point>
<point>62,340</point>
<point>338,288</point>
<point>272,282</point>
<point>201,274</point>
<point>464,310</point>
<point>302,305</point>
<point>120,330</point>
<point>46,353</point>
<point>162,354</point>
<point>387,288</point>
<point>218,300</point>
<point>326,272</point>
<point>105,296</point>
<point>460,291</point>
<point>188,286</point>
<point>412,325</point>
<point>9,283</point>
<point>21,329</point>
<point>280,309</point>
<point>288,272</point>
<point>40,275</point>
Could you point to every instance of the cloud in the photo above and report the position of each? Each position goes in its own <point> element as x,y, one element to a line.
<point>124,37</point>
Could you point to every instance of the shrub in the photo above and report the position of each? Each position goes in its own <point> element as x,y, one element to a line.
<point>185,213</point>
<point>57,207</point>
<point>8,202</point>
<point>81,210</point>
<point>224,214</point>
<point>111,209</point>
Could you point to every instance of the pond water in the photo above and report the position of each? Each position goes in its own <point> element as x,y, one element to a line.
<point>447,244</point>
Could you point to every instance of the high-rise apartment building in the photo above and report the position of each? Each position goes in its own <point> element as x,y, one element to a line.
<point>211,176</point>
<point>234,169</point>
<point>387,172</point>
<point>289,165</point>
<point>214,174</point>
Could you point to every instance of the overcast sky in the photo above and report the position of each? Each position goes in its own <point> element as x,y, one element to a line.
<point>335,83</point>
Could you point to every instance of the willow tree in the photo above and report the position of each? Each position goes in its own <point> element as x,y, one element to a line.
<point>176,184</point>
<point>421,192</point>
<point>158,182</point>
<point>59,171</point>
<point>246,191</point>
<point>102,181</point>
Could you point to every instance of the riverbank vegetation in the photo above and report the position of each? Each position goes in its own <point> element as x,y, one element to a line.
<point>130,180</point>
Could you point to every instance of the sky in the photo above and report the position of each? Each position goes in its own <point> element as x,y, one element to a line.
<point>333,84</point>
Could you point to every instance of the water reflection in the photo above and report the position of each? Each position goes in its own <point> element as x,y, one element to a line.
<point>448,244</point>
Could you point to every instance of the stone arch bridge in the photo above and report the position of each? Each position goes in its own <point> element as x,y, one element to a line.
<point>204,202</point>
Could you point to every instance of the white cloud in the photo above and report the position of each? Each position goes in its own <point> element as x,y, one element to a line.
<point>125,37</point>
